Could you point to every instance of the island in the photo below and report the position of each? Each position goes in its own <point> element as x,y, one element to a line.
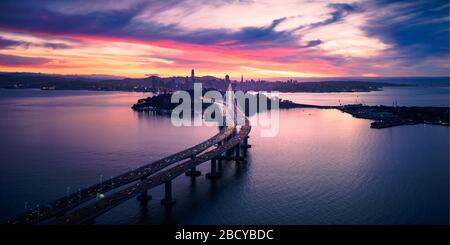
<point>390,116</point>
<point>386,116</point>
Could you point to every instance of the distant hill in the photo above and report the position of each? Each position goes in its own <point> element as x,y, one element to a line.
<point>20,80</point>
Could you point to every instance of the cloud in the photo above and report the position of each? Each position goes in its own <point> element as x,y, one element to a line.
<point>312,43</point>
<point>56,45</point>
<point>415,30</point>
<point>13,60</point>
<point>6,43</point>
<point>11,43</point>
<point>41,19</point>
<point>159,21</point>
<point>343,36</point>
<point>340,11</point>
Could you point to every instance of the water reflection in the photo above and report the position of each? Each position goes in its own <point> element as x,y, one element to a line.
<point>404,96</point>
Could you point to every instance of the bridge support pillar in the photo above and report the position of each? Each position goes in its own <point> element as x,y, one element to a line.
<point>244,148</point>
<point>168,200</point>
<point>193,172</point>
<point>144,196</point>
<point>213,174</point>
<point>219,160</point>
<point>228,153</point>
<point>237,151</point>
<point>245,144</point>
<point>219,166</point>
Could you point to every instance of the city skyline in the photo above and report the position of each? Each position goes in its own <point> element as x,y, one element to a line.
<point>260,39</point>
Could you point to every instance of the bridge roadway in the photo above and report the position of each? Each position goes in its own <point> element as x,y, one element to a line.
<point>61,205</point>
<point>91,211</point>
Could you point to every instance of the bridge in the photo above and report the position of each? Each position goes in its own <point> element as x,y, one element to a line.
<point>89,203</point>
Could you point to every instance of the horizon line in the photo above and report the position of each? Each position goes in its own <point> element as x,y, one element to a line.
<point>239,78</point>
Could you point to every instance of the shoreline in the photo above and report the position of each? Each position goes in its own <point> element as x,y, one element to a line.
<point>381,116</point>
<point>149,91</point>
<point>387,116</point>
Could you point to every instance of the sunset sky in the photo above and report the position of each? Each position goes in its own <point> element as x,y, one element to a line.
<point>259,39</point>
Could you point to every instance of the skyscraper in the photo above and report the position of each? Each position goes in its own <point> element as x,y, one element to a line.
<point>192,77</point>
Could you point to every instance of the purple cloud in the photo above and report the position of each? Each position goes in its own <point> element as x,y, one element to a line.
<point>56,45</point>
<point>14,60</point>
<point>6,43</point>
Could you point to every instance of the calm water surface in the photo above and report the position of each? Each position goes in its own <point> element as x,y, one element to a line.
<point>324,167</point>
<point>411,96</point>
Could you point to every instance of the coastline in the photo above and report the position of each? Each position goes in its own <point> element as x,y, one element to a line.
<point>387,116</point>
<point>381,116</point>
